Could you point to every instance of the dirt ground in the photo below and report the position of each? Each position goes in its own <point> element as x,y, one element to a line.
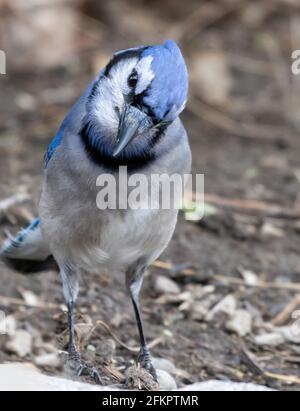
<point>247,144</point>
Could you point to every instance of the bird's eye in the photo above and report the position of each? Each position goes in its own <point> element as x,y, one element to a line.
<point>133,79</point>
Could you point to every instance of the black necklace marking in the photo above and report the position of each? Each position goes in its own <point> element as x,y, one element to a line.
<point>101,157</point>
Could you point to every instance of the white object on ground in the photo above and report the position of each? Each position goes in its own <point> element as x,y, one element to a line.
<point>165,285</point>
<point>240,323</point>
<point>215,385</point>
<point>20,343</point>
<point>271,339</point>
<point>227,306</point>
<point>21,377</point>
<point>166,382</point>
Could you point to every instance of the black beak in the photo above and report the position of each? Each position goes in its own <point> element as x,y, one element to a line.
<point>128,129</point>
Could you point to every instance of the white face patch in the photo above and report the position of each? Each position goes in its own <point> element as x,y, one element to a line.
<point>110,95</point>
<point>145,74</point>
<point>111,91</point>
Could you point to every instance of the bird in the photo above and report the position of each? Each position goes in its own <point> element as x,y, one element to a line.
<point>128,117</point>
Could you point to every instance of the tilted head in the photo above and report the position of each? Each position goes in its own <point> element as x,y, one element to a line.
<point>139,93</point>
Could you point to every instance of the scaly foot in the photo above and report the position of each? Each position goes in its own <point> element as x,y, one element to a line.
<point>144,359</point>
<point>80,368</point>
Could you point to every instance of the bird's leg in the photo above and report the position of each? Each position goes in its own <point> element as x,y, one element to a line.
<point>74,360</point>
<point>134,283</point>
<point>71,287</point>
<point>144,357</point>
<point>74,354</point>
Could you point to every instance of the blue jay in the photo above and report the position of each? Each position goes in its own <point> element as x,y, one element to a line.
<point>128,116</point>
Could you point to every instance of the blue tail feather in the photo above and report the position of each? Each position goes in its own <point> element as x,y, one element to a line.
<point>27,251</point>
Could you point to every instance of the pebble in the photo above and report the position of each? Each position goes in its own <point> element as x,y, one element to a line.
<point>200,309</point>
<point>269,230</point>
<point>165,381</point>
<point>227,306</point>
<point>164,285</point>
<point>29,297</point>
<point>26,101</point>
<point>199,291</point>
<point>164,364</point>
<point>271,339</point>
<point>106,349</point>
<point>41,347</point>
<point>20,343</point>
<point>290,333</point>
<point>91,348</point>
<point>250,277</point>
<point>8,325</point>
<point>240,323</point>
<point>48,360</point>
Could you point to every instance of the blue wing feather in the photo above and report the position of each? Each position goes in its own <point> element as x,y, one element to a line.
<point>69,118</point>
<point>54,144</point>
<point>20,237</point>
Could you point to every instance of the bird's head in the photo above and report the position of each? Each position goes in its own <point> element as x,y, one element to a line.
<point>139,93</point>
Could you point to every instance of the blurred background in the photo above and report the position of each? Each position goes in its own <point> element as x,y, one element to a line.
<point>243,118</point>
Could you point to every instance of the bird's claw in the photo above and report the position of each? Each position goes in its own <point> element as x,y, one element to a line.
<point>80,368</point>
<point>85,369</point>
<point>150,368</point>
<point>145,362</point>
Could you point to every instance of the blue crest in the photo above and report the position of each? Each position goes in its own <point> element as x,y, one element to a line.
<point>169,88</point>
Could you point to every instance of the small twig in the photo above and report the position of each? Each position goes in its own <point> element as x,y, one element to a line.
<point>254,206</point>
<point>230,125</point>
<point>6,204</point>
<point>260,284</point>
<point>289,379</point>
<point>236,281</point>
<point>248,357</point>
<point>243,204</point>
<point>152,344</point>
<point>16,301</point>
<point>22,213</point>
<point>170,267</point>
<point>157,341</point>
<point>219,368</point>
<point>114,336</point>
<point>284,316</point>
<point>171,299</point>
<point>114,372</point>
